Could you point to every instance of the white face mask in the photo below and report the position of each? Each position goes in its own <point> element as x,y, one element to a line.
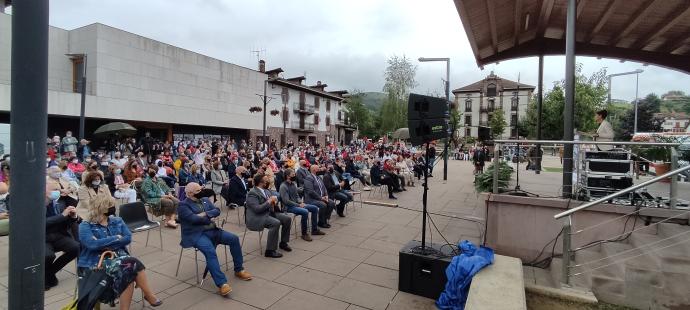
<point>55,175</point>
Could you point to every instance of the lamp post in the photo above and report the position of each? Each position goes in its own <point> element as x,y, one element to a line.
<point>447,140</point>
<point>82,90</point>
<point>266,99</point>
<point>637,85</point>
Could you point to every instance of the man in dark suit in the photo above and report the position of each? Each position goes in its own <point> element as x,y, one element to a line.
<point>378,177</point>
<point>237,188</point>
<point>233,163</point>
<point>315,193</point>
<point>336,189</point>
<point>60,220</point>
<point>198,230</point>
<point>262,212</point>
<point>302,172</point>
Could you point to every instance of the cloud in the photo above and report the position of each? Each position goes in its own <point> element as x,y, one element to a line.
<point>342,43</point>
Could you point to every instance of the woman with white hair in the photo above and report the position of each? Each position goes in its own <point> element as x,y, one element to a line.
<point>55,182</point>
<point>102,231</point>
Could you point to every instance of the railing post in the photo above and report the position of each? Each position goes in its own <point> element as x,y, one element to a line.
<point>673,191</point>
<point>497,147</point>
<point>565,268</point>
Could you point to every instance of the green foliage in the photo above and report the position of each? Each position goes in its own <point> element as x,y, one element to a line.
<point>358,114</point>
<point>470,140</point>
<point>497,122</point>
<point>455,115</point>
<point>484,182</point>
<point>400,79</point>
<point>646,122</point>
<point>672,104</point>
<point>590,96</point>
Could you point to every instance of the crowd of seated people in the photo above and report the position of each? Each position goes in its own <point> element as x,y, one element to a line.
<point>186,182</point>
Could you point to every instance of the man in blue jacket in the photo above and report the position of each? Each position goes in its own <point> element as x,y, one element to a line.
<point>199,231</point>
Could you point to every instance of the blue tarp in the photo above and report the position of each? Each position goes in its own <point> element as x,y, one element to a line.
<point>460,272</point>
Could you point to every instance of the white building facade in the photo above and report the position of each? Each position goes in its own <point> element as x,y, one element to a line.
<point>154,86</point>
<point>478,101</point>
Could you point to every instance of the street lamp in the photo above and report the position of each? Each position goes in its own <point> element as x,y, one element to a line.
<point>445,147</point>
<point>637,85</point>
<point>266,99</point>
<point>82,57</point>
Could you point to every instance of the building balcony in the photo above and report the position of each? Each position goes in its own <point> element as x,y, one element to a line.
<point>468,109</point>
<point>303,108</point>
<point>483,109</point>
<point>303,126</point>
<point>484,123</point>
<point>514,107</point>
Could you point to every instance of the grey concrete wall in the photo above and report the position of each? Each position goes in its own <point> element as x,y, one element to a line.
<point>521,226</point>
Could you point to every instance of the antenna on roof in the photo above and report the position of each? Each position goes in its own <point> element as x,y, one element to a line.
<point>259,53</point>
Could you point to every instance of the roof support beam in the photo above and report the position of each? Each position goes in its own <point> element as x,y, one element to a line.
<point>673,44</point>
<point>610,8</point>
<point>544,16</point>
<point>464,18</point>
<point>634,20</point>
<point>518,22</point>
<point>682,12</point>
<point>491,10</point>
<point>580,7</point>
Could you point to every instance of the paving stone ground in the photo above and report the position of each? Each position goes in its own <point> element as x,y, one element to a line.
<point>355,266</point>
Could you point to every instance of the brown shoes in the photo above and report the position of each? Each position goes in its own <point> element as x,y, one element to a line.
<point>243,275</point>
<point>224,289</point>
<point>306,237</point>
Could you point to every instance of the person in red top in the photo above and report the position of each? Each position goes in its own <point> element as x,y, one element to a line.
<point>75,165</point>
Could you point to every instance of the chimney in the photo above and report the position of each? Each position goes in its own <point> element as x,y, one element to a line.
<point>318,83</point>
<point>262,66</point>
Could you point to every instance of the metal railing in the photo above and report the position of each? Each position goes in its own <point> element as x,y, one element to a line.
<point>567,215</point>
<point>302,107</point>
<point>305,126</point>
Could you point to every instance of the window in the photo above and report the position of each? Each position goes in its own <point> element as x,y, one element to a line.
<point>468,132</point>
<point>468,105</point>
<point>492,105</point>
<point>328,120</point>
<point>468,120</point>
<point>491,90</point>
<point>286,115</point>
<point>285,95</point>
<point>513,119</point>
<point>77,73</point>
<point>302,98</point>
<point>340,115</point>
<point>316,119</point>
<point>316,103</point>
<point>328,105</point>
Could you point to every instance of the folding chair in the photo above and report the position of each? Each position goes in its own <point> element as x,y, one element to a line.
<point>375,188</point>
<point>137,220</point>
<point>261,232</point>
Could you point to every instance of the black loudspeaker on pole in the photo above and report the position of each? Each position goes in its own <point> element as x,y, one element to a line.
<point>427,121</point>
<point>29,122</point>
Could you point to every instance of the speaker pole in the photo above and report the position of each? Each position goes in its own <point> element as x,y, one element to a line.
<point>424,196</point>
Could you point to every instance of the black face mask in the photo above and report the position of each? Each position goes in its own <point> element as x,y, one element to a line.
<point>246,174</point>
<point>111,211</point>
<point>293,178</point>
<point>321,173</point>
<point>152,174</point>
<point>330,170</point>
<point>198,195</point>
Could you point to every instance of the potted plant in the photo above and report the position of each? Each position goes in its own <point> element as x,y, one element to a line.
<point>660,155</point>
<point>255,109</point>
<point>275,112</point>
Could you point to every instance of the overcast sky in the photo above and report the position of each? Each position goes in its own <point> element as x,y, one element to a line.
<point>342,43</point>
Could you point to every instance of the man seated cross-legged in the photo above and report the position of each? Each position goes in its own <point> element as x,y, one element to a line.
<point>199,231</point>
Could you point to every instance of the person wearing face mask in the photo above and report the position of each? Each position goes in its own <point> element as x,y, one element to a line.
<point>92,187</point>
<point>263,212</point>
<point>196,214</point>
<point>118,160</point>
<point>55,182</point>
<point>117,185</point>
<point>90,167</point>
<point>69,143</point>
<point>104,231</point>
<point>290,198</point>
<point>4,209</point>
<point>76,166</point>
<point>60,221</point>
<point>336,189</point>
<point>237,188</point>
<point>315,193</point>
<point>156,193</point>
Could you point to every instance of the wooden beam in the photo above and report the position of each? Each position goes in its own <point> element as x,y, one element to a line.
<point>544,16</point>
<point>491,10</point>
<point>580,7</point>
<point>610,8</point>
<point>634,20</point>
<point>673,44</point>
<point>518,22</point>
<point>682,12</point>
<point>465,19</point>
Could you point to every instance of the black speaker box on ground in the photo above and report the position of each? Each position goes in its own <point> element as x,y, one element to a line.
<point>423,275</point>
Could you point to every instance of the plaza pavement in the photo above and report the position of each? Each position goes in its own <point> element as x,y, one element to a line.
<point>355,266</point>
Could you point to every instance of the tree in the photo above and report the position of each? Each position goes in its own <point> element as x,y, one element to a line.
<point>498,124</point>
<point>590,96</point>
<point>358,114</point>
<point>454,124</point>
<point>646,121</point>
<point>400,79</point>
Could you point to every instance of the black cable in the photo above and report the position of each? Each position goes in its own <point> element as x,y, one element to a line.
<point>547,260</point>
